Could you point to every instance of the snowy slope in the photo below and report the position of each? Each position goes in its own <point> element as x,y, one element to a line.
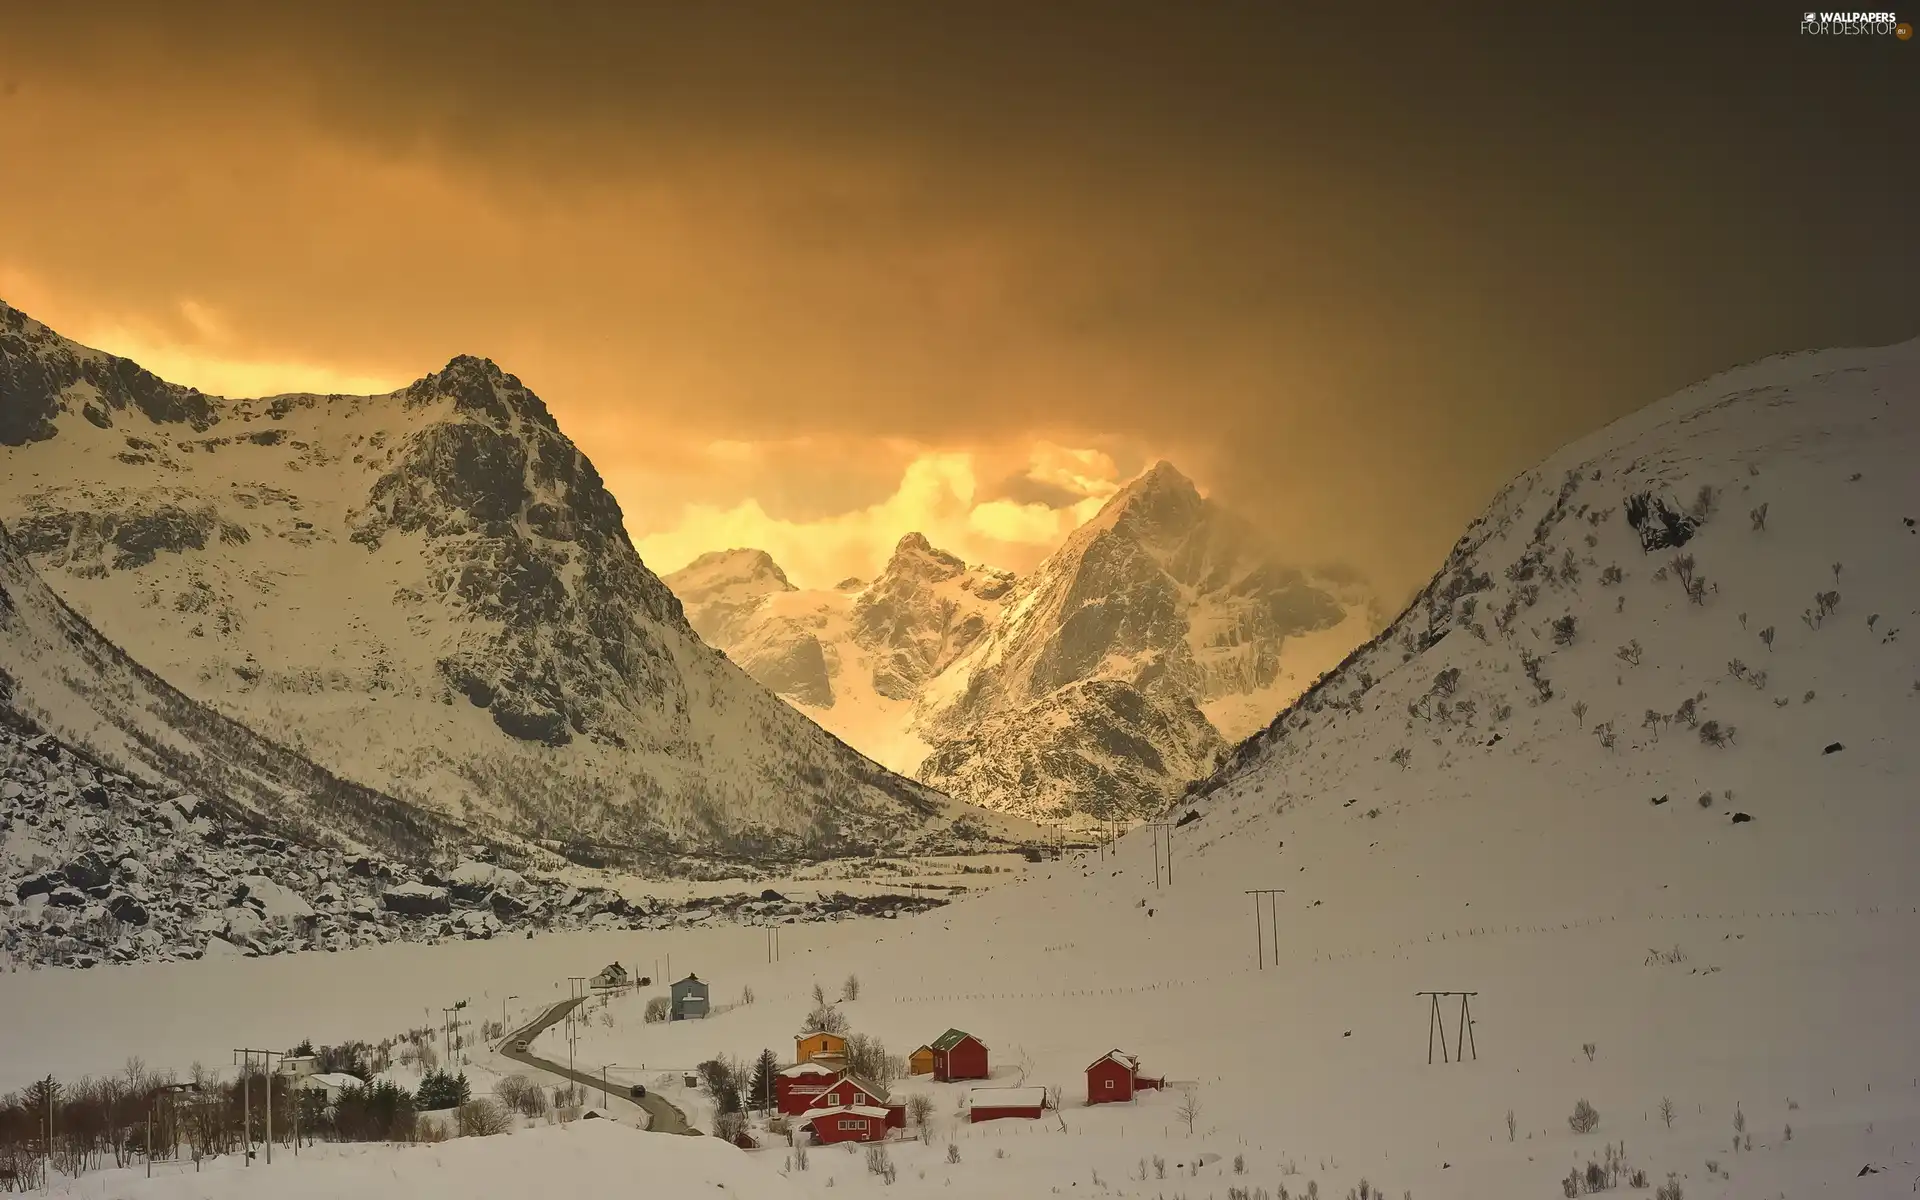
<point>429,593</point>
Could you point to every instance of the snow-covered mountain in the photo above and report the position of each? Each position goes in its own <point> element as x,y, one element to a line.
<point>856,657</point>
<point>1679,650</point>
<point>1099,685</point>
<point>429,593</point>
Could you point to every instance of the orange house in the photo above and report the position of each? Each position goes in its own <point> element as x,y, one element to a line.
<point>920,1062</point>
<point>810,1046</point>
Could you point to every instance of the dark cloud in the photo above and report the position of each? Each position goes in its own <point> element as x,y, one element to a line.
<point>1352,269</point>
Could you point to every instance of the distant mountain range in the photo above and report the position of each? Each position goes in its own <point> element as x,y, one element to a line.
<point>1097,686</point>
<point>427,598</point>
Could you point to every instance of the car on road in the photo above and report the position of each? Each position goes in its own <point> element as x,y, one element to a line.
<point>638,1091</point>
<point>520,1047</point>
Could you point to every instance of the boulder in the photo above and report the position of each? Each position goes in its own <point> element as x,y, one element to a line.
<point>127,910</point>
<point>416,900</point>
<point>39,885</point>
<point>506,907</point>
<point>90,870</point>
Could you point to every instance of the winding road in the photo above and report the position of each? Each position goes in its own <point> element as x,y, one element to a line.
<point>665,1118</point>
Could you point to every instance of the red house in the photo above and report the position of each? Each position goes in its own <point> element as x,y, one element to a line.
<point>797,1087</point>
<point>847,1123</point>
<point>958,1055</point>
<point>1114,1077</point>
<point>993,1104</point>
<point>849,1092</point>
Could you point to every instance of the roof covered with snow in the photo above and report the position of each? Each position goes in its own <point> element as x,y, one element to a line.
<point>840,1110</point>
<point>952,1038</point>
<point>1014,1097</point>
<point>1116,1056</point>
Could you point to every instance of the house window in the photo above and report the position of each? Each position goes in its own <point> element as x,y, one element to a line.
<point>853,1124</point>
<point>1109,1085</point>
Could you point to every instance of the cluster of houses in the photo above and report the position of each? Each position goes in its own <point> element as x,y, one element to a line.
<point>834,1105</point>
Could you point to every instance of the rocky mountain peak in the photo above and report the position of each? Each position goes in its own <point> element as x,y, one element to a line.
<point>1160,503</point>
<point>915,555</point>
<point>481,390</point>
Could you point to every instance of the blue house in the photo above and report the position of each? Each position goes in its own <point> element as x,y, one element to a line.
<point>689,999</point>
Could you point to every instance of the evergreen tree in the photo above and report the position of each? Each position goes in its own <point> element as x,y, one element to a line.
<point>765,1069</point>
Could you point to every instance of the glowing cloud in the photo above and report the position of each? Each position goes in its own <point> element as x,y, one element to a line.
<point>938,495</point>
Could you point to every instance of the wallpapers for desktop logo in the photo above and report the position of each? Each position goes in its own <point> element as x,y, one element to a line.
<point>1856,24</point>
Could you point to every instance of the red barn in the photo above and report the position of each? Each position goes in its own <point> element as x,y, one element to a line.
<point>797,1087</point>
<point>959,1055</point>
<point>849,1091</point>
<point>1115,1076</point>
<point>993,1104</point>
<point>847,1123</point>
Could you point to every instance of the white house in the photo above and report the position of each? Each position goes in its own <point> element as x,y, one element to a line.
<point>333,1083</point>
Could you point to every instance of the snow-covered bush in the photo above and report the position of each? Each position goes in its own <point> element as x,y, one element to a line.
<point>1584,1118</point>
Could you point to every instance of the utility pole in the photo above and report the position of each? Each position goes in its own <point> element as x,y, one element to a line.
<point>576,990</point>
<point>246,1096</point>
<point>1157,827</point>
<point>1260,947</point>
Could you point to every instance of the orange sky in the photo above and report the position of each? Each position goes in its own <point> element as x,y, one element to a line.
<point>807,277</point>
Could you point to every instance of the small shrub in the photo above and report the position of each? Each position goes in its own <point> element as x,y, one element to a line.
<point>1670,1190</point>
<point>1629,653</point>
<point>1637,1179</point>
<point>1759,518</point>
<point>953,1152</point>
<point>1766,635</point>
<point>1584,1118</point>
<point>482,1118</point>
<point>1706,799</point>
<point>1570,1186</point>
<point>850,990</point>
<point>1512,1125</point>
<point>1611,576</point>
<point>1604,731</point>
<point>1588,1048</point>
<point>1666,1111</point>
<point>1739,1120</point>
<point>1564,629</point>
<point>1239,1164</point>
<point>1711,734</point>
<point>658,1009</point>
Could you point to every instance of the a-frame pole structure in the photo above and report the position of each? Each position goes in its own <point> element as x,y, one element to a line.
<point>1268,895</point>
<point>1463,1042</point>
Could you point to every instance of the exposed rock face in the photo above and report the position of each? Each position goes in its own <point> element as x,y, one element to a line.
<point>430,592</point>
<point>916,627</point>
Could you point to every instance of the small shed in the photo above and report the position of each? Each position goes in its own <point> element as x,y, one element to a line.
<point>848,1123</point>
<point>994,1104</point>
<point>818,1044</point>
<point>920,1062</point>
<point>689,999</point>
<point>958,1055</point>
<point>796,1087</point>
<point>1115,1076</point>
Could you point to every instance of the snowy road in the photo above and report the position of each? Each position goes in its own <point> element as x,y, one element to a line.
<point>665,1117</point>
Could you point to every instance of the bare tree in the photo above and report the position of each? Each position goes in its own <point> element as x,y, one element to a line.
<point>850,990</point>
<point>1189,1110</point>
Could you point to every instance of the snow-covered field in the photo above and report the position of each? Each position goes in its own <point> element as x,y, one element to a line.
<point>585,1158</point>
